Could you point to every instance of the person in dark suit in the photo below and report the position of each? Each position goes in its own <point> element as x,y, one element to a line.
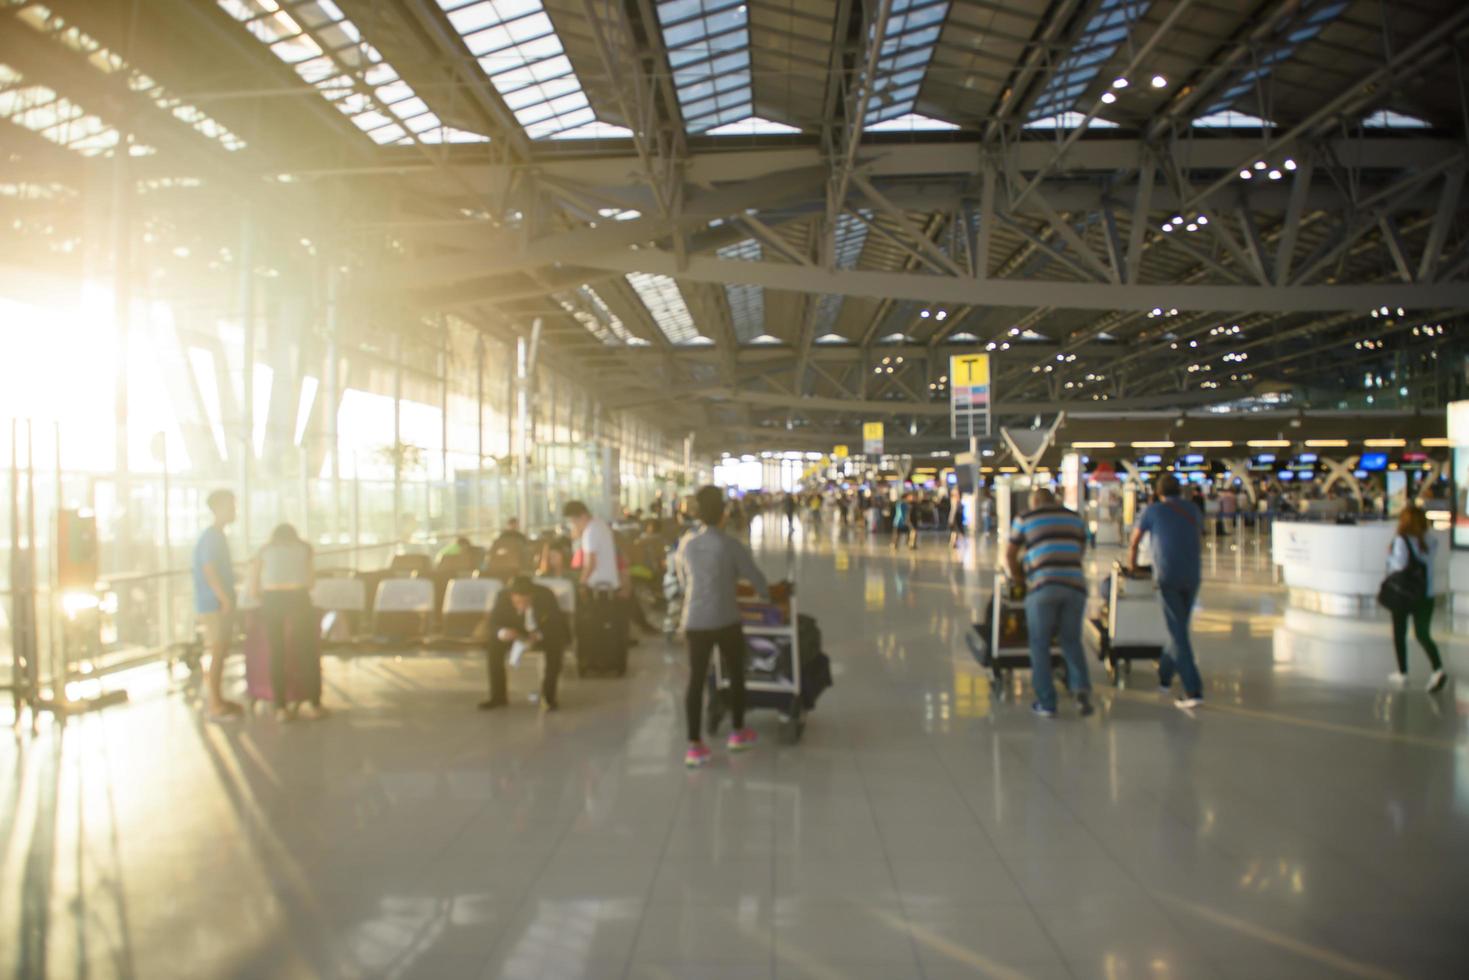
<point>525,611</point>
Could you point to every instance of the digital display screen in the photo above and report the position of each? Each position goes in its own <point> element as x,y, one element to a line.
<point>1285,476</point>
<point>1193,459</point>
<point>1360,474</point>
<point>1198,477</point>
<point>1153,460</point>
<point>1304,474</point>
<point>1373,462</point>
<point>1264,458</point>
<point>1306,458</point>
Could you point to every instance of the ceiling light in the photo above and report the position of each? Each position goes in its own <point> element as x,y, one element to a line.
<point>1210,444</point>
<point>1119,83</point>
<point>1268,444</point>
<point>1275,175</point>
<point>1326,444</point>
<point>1108,98</point>
<point>1245,175</point>
<point>1005,346</point>
<point>1167,226</point>
<point>941,315</point>
<point>1094,445</point>
<point>1178,219</point>
<point>1290,164</point>
<point>1259,164</point>
<point>1434,442</point>
<point>1203,219</point>
<point>1400,311</point>
<point>1159,81</point>
<point>1384,443</point>
<point>924,314</point>
<point>1191,226</point>
<point>1160,444</point>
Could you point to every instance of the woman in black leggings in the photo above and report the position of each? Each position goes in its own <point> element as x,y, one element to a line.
<point>1413,545</point>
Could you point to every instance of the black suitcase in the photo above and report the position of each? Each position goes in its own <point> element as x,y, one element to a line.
<point>601,634</point>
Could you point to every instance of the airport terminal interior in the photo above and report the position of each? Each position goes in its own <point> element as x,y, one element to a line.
<point>676,489</point>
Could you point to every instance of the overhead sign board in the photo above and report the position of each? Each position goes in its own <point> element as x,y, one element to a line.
<point>969,396</point>
<point>840,452</point>
<point>872,438</point>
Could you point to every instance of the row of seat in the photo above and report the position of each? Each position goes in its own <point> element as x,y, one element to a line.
<point>402,609</point>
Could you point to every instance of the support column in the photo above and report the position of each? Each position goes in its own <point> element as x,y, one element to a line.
<point>246,439</point>
<point>479,429</point>
<point>122,299</point>
<point>330,400</point>
<point>397,435</point>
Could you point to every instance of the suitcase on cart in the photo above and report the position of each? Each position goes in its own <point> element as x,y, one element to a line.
<point>1001,641</point>
<point>1131,626</point>
<point>601,635</point>
<point>303,664</point>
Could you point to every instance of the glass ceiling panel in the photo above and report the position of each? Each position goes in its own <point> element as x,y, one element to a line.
<point>666,305</point>
<point>913,29</point>
<point>1315,15</point>
<point>41,18</point>
<point>708,44</point>
<point>587,308</point>
<point>1387,119</point>
<point>746,302</point>
<point>327,51</point>
<point>851,236</point>
<point>1069,120</point>
<point>752,126</point>
<point>910,123</point>
<point>55,118</point>
<point>518,49</point>
<point>1103,34</point>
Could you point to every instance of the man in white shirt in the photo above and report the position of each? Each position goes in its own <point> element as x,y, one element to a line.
<point>597,546</point>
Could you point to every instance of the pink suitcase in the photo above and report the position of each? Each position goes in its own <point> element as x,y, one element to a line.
<point>303,664</point>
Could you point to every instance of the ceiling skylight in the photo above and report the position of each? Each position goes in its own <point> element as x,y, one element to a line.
<point>1069,120</point>
<point>963,337</point>
<point>831,338</point>
<point>752,126</point>
<point>42,19</point>
<point>911,123</point>
<point>1229,119</point>
<point>1387,119</point>
<point>55,118</point>
<point>594,130</point>
<point>907,47</point>
<point>1098,41</point>
<point>587,308</point>
<point>1310,18</point>
<point>666,305</point>
<point>519,50</point>
<point>746,302</point>
<point>332,57</point>
<point>708,45</point>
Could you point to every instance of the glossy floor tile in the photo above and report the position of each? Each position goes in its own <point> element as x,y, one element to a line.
<point>1307,822</point>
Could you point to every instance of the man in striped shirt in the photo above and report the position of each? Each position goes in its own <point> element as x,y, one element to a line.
<point>1051,539</point>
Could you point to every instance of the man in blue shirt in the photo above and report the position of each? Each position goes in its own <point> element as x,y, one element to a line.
<point>214,597</point>
<point>1177,531</point>
<point>1053,540</point>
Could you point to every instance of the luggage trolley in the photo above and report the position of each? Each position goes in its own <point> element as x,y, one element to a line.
<point>770,682</point>
<point>1131,626</point>
<point>1001,643</point>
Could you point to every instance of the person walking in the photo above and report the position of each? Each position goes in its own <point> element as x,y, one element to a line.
<point>214,599</point>
<point>282,576</point>
<point>1414,546</point>
<point>526,613</point>
<point>1045,550</point>
<point>1177,531</point>
<point>902,509</point>
<point>710,565</point>
<point>956,519</point>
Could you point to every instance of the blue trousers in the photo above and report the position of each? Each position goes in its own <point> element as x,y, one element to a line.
<point>1178,609</point>
<point>1052,610</point>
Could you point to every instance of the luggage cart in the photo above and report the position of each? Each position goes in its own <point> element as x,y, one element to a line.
<point>1001,643</point>
<point>776,688</point>
<point>1131,626</point>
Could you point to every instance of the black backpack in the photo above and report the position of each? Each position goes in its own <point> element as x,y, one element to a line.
<point>1404,589</point>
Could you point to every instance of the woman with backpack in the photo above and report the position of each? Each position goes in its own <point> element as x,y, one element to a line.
<point>1412,553</point>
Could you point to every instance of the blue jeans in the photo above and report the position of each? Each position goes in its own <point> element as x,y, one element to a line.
<point>1178,609</point>
<point>1049,610</point>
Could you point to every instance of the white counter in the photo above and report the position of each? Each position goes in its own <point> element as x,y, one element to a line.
<point>1337,568</point>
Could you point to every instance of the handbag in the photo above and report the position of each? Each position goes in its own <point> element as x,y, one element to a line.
<point>1402,590</point>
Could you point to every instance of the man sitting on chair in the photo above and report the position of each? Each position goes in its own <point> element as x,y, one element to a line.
<point>526,613</point>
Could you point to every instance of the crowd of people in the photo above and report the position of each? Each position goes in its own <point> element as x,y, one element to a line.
<point>697,555</point>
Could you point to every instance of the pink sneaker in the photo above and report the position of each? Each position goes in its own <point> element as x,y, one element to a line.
<point>696,756</point>
<point>742,740</point>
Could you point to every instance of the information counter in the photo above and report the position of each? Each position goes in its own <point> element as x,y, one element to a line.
<point>1336,569</point>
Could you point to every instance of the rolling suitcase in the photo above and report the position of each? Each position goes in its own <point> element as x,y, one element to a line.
<point>303,664</point>
<point>601,634</point>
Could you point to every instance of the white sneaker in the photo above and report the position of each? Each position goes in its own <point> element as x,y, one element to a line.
<point>1397,680</point>
<point>1437,680</point>
<point>1188,701</point>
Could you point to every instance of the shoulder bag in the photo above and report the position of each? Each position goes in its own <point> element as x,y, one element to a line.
<point>1402,590</point>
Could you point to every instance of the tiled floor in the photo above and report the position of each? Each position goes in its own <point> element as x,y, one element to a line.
<point>1306,823</point>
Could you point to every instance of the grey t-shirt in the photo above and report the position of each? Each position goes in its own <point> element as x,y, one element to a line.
<point>709,565</point>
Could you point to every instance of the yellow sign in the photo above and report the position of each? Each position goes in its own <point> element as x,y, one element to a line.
<point>872,438</point>
<point>840,452</point>
<point>968,370</point>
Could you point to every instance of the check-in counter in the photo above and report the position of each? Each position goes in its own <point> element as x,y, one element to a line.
<point>1336,569</point>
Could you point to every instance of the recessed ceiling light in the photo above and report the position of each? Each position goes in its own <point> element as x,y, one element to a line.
<point>1245,175</point>
<point>1108,98</point>
<point>1119,83</point>
<point>1259,164</point>
<point>1159,81</point>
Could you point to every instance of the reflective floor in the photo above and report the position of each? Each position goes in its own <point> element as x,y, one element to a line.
<point>1306,822</point>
